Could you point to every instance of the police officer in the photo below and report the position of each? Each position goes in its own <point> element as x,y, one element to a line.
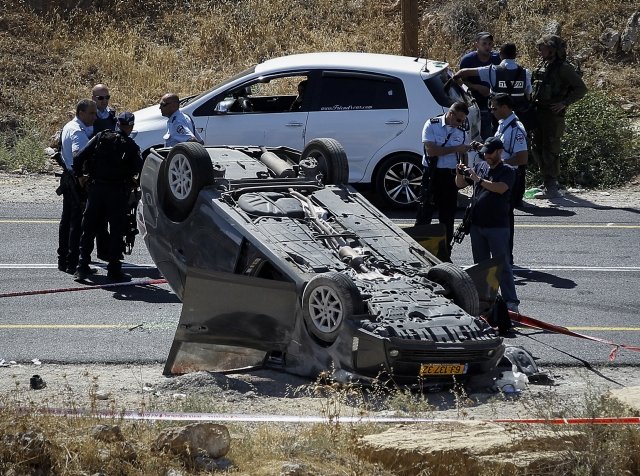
<point>492,180</point>
<point>482,56</point>
<point>105,120</point>
<point>515,152</point>
<point>75,137</point>
<point>111,161</point>
<point>180,127</point>
<point>508,77</point>
<point>446,143</point>
<point>556,85</point>
<point>106,115</point>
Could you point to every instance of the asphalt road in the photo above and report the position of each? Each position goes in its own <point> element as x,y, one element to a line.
<point>577,267</point>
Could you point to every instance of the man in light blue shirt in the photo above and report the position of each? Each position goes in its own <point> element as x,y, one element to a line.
<point>75,136</point>
<point>180,127</point>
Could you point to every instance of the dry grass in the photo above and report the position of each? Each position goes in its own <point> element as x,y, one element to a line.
<point>187,47</point>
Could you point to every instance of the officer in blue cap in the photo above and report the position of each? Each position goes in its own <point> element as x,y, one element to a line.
<point>111,161</point>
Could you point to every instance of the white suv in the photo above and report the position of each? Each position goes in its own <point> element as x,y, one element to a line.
<point>374,105</point>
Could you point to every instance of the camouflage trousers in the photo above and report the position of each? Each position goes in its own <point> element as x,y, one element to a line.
<point>546,142</point>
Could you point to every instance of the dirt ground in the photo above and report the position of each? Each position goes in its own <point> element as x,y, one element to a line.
<point>137,387</point>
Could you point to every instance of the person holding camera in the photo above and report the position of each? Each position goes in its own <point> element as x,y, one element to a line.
<point>492,180</point>
<point>446,143</point>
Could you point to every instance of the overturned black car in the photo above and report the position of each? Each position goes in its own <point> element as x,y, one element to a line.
<point>280,264</point>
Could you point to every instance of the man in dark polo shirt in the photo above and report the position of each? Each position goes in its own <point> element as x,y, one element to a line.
<point>492,182</point>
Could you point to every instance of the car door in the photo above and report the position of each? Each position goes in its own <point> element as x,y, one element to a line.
<point>257,112</point>
<point>362,111</point>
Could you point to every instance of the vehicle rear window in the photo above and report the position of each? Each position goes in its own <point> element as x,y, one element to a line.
<point>435,85</point>
<point>353,91</point>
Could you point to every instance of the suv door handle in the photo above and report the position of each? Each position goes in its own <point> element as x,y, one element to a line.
<point>394,122</point>
<point>294,124</point>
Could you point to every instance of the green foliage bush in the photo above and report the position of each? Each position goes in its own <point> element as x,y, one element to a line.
<point>599,148</point>
<point>24,153</point>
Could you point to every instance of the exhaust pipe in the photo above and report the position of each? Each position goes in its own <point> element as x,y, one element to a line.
<point>278,166</point>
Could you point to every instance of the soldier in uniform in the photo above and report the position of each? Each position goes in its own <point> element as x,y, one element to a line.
<point>75,137</point>
<point>446,143</point>
<point>180,127</point>
<point>111,161</point>
<point>515,153</point>
<point>556,85</point>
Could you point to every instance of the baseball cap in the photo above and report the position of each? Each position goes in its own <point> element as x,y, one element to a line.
<point>125,118</point>
<point>484,35</point>
<point>491,145</point>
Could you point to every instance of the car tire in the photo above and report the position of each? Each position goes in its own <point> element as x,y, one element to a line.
<point>331,158</point>
<point>458,286</point>
<point>398,181</point>
<point>328,300</point>
<point>187,169</point>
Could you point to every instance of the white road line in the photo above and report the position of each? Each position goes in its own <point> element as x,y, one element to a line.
<point>55,266</point>
<point>517,269</point>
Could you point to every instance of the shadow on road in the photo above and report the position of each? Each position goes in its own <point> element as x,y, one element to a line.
<point>525,275</point>
<point>569,201</point>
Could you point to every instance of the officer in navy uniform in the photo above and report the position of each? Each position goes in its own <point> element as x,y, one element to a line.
<point>111,161</point>
<point>482,56</point>
<point>492,180</point>
<point>508,77</point>
<point>180,127</point>
<point>446,143</point>
<point>106,115</point>
<point>74,137</point>
<point>515,153</point>
<point>105,120</point>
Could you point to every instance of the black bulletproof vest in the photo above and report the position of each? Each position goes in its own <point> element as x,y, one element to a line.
<point>109,123</point>
<point>112,159</point>
<point>511,82</point>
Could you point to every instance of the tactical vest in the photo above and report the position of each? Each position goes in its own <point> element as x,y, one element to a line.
<point>108,123</point>
<point>512,82</point>
<point>112,158</point>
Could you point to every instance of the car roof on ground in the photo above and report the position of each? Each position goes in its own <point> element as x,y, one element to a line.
<point>351,60</point>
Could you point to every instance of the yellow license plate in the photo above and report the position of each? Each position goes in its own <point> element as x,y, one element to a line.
<point>442,369</point>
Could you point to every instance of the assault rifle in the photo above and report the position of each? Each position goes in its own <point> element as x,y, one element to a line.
<point>131,227</point>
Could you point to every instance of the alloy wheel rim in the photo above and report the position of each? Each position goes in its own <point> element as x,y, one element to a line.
<point>325,309</point>
<point>402,182</point>
<point>180,176</point>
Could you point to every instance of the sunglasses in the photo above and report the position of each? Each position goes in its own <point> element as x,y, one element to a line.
<point>100,98</point>
<point>163,104</point>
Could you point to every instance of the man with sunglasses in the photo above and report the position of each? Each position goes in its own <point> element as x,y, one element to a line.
<point>180,127</point>
<point>105,120</point>
<point>446,144</point>
<point>105,114</point>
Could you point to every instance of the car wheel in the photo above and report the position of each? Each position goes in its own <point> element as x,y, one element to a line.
<point>458,286</point>
<point>186,170</point>
<point>331,159</point>
<point>398,181</point>
<point>328,300</point>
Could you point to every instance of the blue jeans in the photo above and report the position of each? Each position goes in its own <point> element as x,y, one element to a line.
<point>489,242</point>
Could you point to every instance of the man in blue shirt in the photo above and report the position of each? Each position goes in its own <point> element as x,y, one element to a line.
<point>75,137</point>
<point>482,56</point>
<point>180,127</point>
